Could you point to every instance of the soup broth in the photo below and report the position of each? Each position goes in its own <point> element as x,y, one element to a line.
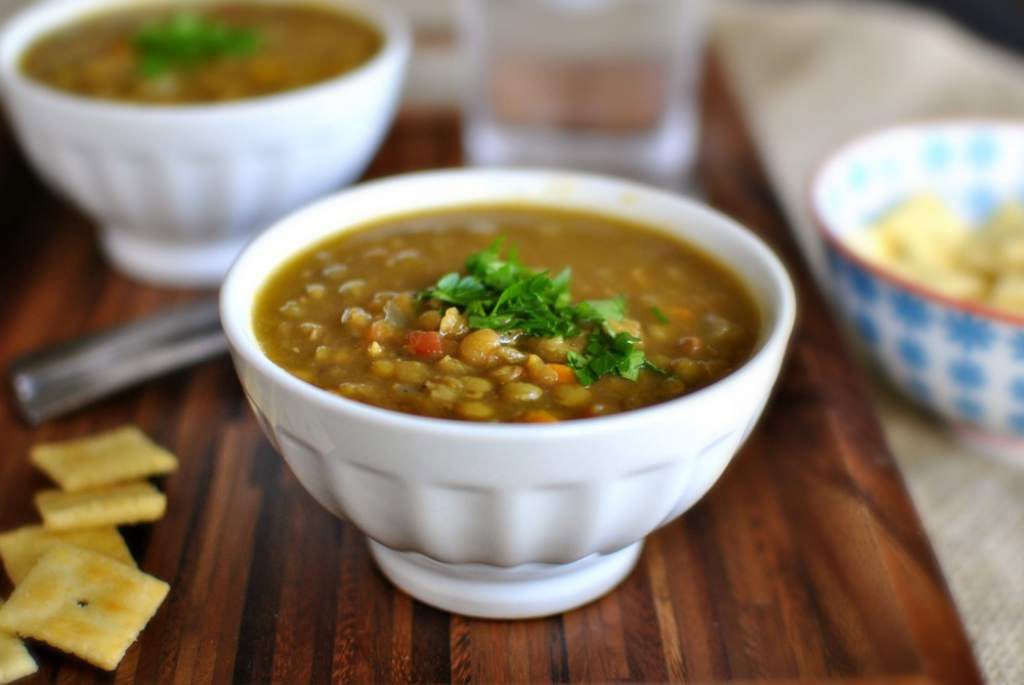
<point>431,315</point>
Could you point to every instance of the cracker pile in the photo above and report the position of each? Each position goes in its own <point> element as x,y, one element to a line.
<point>77,587</point>
<point>15,661</point>
<point>925,241</point>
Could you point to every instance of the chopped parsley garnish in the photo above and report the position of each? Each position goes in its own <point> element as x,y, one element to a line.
<point>602,312</point>
<point>606,355</point>
<point>659,315</point>
<point>187,39</point>
<point>504,295</point>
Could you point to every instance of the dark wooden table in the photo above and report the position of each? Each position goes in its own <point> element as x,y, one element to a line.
<point>806,563</point>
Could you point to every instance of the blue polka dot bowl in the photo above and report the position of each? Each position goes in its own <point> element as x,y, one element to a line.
<point>962,360</point>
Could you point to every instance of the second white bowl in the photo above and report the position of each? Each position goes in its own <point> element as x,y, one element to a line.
<point>178,190</point>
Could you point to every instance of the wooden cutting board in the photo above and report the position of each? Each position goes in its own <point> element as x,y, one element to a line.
<point>806,563</point>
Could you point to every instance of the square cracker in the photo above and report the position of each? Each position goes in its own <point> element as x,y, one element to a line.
<point>15,661</point>
<point>84,603</point>
<point>113,506</point>
<point>120,455</point>
<point>20,549</point>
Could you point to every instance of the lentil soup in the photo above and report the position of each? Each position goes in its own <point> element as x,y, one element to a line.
<point>200,52</point>
<point>507,313</point>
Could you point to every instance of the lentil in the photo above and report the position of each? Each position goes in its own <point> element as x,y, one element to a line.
<point>521,392</point>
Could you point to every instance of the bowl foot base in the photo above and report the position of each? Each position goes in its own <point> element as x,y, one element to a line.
<point>170,264</point>
<point>524,591</point>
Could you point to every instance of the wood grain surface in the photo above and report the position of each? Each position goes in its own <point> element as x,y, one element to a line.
<point>806,563</point>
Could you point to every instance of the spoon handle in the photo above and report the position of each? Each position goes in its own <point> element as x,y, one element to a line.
<point>57,380</point>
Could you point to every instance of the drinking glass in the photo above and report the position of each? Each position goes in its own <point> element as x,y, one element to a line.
<point>601,85</point>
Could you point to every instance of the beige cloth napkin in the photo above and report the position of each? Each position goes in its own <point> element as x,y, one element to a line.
<point>811,75</point>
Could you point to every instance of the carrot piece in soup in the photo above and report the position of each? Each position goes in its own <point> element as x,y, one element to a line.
<point>424,344</point>
<point>539,416</point>
<point>565,373</point>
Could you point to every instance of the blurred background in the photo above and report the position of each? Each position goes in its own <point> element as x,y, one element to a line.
<point>1001,21</point>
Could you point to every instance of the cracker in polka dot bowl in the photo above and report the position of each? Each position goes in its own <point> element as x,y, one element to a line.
<point>924,232</point>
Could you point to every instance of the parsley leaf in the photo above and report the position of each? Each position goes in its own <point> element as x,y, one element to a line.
<point>187,39</point>
<point>457,290</point>
<point>659,315</point>
<point>602,311</point>
<point>607,354</point>
<point>497,273</point>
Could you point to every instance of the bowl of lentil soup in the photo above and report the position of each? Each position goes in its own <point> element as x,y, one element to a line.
<point>183,128</point>
<point>507,379</point>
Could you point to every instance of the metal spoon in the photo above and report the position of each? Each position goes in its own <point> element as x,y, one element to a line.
<point>57,380</point>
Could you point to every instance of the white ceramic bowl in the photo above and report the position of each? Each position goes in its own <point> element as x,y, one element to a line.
<point>960,359</point>
<point>502,520</point>
<point>178,190</point>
